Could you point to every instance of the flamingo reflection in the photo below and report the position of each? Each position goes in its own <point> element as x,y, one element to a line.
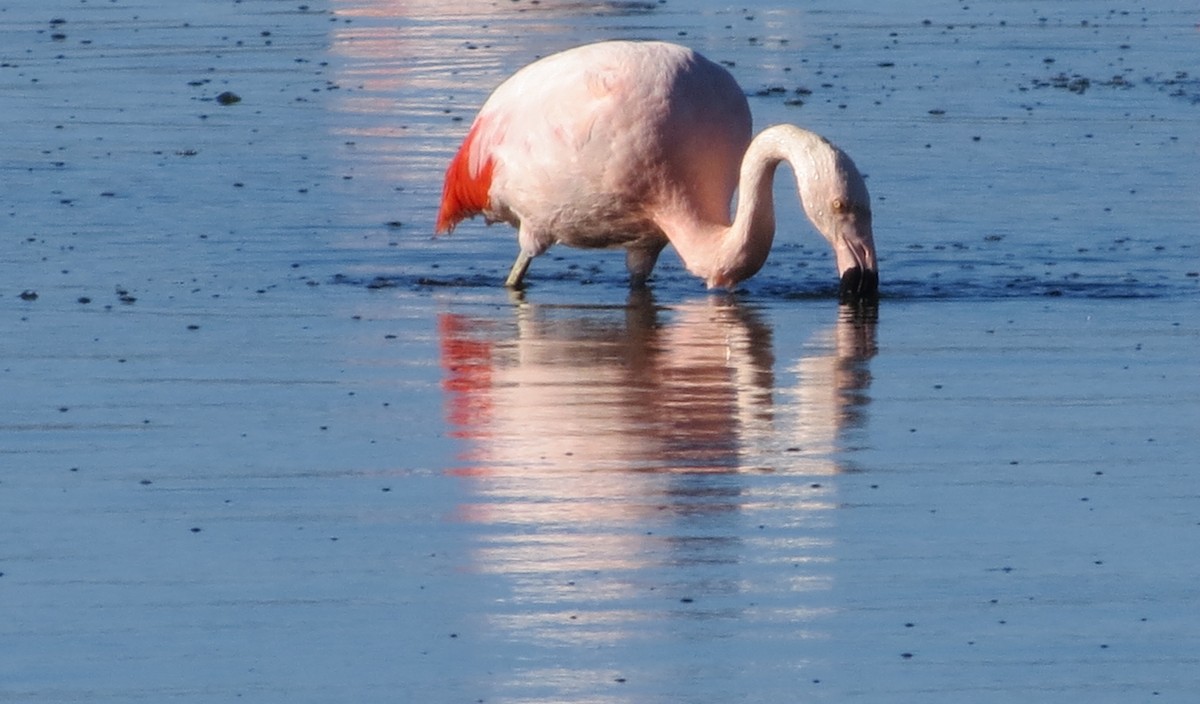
<point>593,426</point>
<point>575,391</point>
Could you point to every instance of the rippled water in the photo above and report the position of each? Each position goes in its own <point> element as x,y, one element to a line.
<point>265,438</point>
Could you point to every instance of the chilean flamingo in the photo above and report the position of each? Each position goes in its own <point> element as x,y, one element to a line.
<point>641,144</point>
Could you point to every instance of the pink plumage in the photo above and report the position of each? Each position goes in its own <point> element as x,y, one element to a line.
<point>643,144</point>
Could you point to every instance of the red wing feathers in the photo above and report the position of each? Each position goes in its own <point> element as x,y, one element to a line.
<point>468,182</point>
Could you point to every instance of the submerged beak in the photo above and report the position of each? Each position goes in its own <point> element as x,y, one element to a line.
<point>855,251</point>
<point>859,284</point>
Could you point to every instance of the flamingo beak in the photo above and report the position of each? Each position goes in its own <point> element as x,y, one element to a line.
<point>855,251</point>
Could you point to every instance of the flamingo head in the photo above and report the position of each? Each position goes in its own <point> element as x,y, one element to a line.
<point>839,206</point>
<point>854,246</point>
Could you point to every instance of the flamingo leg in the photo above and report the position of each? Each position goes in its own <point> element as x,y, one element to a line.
<point>517,274</point>
<point>640,262</point>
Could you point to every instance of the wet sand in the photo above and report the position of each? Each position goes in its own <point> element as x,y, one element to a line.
<point>265,439</point>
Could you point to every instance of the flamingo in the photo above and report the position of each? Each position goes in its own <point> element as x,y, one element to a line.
<point>642,144</point>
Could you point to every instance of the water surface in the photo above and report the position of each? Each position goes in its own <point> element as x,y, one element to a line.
<point>265,438</point>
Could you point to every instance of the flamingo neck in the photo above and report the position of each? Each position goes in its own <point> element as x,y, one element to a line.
<point>727,255</point>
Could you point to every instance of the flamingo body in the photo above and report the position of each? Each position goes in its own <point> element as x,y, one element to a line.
<point>641,144</point>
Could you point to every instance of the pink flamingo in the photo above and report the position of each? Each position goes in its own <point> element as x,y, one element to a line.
<point>641,144</point>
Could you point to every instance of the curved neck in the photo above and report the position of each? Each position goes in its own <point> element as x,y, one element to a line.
<point>738,251</point>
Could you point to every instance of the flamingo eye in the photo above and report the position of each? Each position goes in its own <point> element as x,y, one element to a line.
<point>839,205</point>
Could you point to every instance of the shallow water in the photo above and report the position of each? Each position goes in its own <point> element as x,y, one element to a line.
<point>265,438</point>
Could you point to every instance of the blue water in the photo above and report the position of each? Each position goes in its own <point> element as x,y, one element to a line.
<point>264,438</point>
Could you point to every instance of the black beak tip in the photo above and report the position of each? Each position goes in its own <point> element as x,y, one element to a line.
<point>859,284</point>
